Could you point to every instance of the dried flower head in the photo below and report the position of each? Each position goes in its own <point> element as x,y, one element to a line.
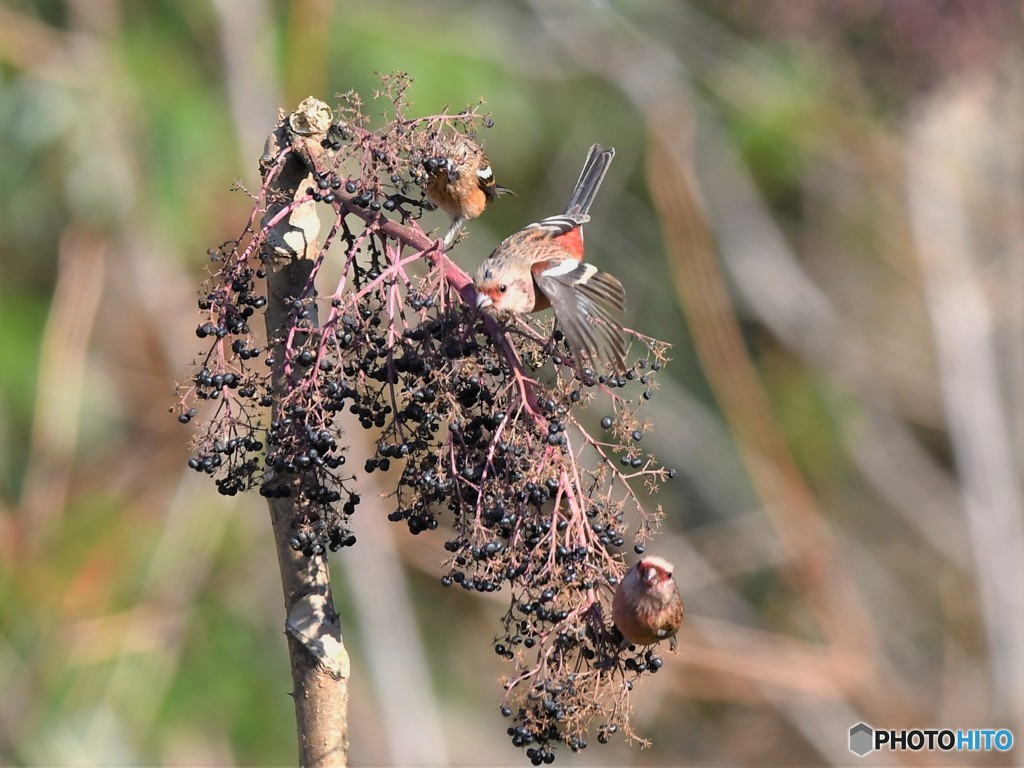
<point>531,462</point>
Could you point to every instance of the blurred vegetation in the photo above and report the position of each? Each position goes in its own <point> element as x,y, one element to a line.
<point>837,186</point>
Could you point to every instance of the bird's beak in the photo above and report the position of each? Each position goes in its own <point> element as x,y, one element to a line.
<point>483,301</point>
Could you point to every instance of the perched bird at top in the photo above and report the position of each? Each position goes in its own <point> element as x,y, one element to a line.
<point>460,181</point>
<point>647,607</point>
<point>542,266</point>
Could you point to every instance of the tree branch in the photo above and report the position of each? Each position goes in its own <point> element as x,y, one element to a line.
<point>319,662</point>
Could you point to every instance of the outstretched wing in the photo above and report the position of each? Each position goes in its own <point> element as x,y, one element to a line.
<point>587,304</point>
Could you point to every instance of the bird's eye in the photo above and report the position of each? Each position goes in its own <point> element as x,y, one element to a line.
<point>502,287</point>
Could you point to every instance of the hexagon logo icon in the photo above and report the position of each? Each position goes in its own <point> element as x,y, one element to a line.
<point>861,739</point>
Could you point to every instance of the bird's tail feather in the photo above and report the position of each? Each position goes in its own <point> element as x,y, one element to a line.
<point>594,170</point>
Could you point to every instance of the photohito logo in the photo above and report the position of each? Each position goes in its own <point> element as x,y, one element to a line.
<point>865,739</point>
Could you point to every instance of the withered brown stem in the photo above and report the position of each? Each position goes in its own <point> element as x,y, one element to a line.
<point>319,678</point>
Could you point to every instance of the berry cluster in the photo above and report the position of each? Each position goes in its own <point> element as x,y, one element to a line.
<point>491,428</point>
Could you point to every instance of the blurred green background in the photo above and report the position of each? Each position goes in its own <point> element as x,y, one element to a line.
<point>821,205</point>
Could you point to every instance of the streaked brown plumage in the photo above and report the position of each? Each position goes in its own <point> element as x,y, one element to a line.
<point>542,266</point>
<point>647,607</point>
<point>460,181</point>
